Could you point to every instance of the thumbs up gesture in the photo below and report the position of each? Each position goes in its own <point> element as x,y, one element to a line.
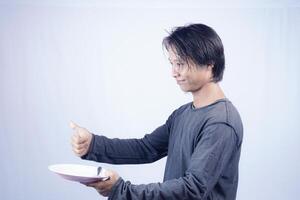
<point>80,140</point>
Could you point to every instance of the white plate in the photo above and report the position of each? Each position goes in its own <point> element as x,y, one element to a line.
<point>79,173</point>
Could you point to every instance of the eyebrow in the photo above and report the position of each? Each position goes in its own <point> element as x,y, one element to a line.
<point>178,60</point>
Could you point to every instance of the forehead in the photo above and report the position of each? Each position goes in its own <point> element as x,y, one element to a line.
<point>173,55</point>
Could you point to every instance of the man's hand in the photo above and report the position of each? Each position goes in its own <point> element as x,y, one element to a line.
<point>80,140</point>
<point>104,187</point>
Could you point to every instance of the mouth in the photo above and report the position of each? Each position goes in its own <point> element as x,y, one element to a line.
<point>179,81</point>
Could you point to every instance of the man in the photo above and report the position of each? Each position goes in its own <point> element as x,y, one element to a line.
<point>202,139</point>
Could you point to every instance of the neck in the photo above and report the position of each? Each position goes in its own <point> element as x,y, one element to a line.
<point>207,94</point>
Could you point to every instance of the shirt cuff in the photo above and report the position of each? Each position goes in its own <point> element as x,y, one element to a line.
<point>114,189</point>
<point>91,147</point>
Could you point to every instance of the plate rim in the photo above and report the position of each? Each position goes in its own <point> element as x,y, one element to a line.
<point>50,167</point>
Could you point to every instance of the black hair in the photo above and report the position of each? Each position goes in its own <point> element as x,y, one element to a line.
<point>199,43</point>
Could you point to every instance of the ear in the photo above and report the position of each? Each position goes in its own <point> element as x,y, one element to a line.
<point>210,67</point>
<point>210,71</point>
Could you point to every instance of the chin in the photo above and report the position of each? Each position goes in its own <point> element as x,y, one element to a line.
<point>185,89</point>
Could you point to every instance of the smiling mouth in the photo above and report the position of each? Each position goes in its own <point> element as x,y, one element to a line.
<point>179,81</point>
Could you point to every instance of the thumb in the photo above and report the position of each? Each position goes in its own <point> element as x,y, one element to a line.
<point>80,131</point>
<point>73,126</point>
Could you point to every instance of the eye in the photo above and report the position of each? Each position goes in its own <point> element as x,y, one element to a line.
<point>180,65</point>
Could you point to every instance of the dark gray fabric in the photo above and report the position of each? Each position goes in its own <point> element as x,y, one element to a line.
<point>203,147</point>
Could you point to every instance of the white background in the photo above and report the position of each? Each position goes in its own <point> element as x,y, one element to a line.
<point>101,64</point>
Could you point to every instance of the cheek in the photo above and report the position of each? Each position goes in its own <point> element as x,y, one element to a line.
<point>197,80</point>
<point>185,75</point>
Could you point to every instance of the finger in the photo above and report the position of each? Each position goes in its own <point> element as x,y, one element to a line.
<point>84,184</point>
<point>78,140</point>
<point>79,146</point>
<point>99,184</point>
<point>79,152</point>
<point>104,193</point>
<point>93,184</point>
<point>81,140</point>
<point>76,143</point>
<point>73,126</point>
<point>89,185</point>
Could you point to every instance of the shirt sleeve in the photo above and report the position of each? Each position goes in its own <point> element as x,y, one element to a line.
<point>131,151</point>
<point>212,154</point>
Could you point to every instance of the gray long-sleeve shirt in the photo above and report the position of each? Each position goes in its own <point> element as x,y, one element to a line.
<point>203,147</point>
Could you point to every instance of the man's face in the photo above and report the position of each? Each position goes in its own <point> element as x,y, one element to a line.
<point>189,76</point>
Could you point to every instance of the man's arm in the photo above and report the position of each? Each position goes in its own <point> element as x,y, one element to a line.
<point>130,151</point>
<point>212,154</point>
<point>148,149</point>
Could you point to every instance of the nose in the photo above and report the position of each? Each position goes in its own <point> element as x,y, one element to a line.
<point>175,72</point>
